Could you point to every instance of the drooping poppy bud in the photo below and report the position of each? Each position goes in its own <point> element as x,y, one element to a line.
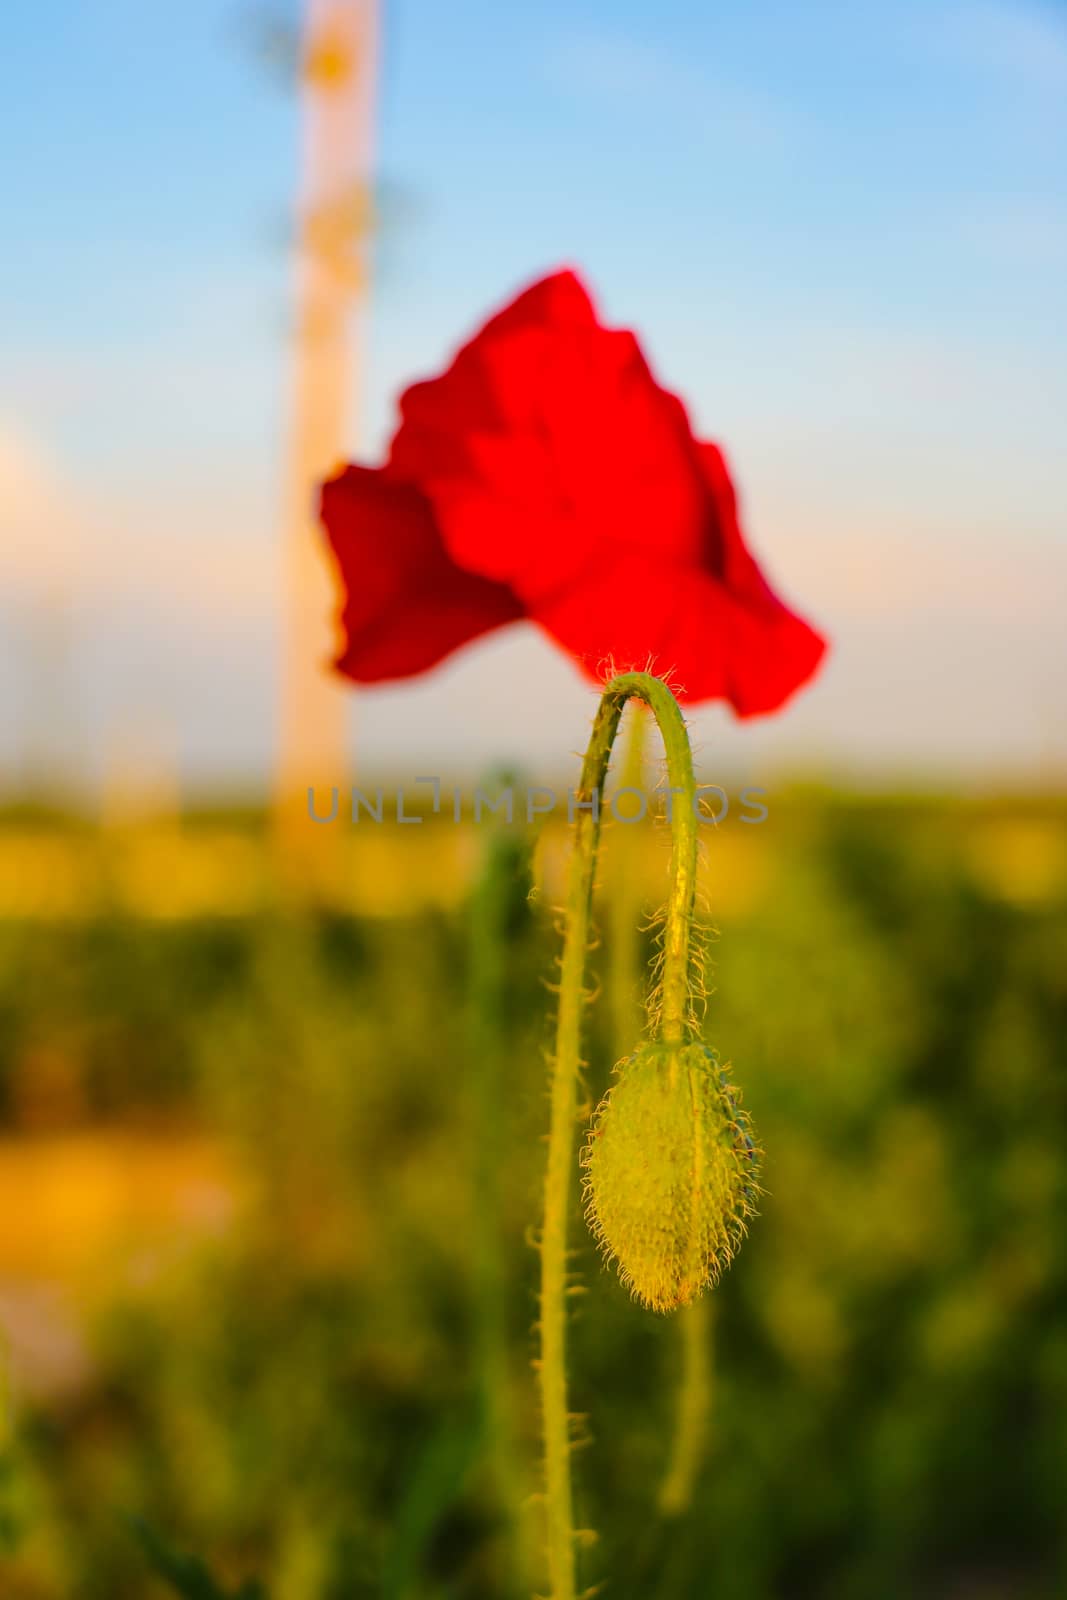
<point>671,1172</point>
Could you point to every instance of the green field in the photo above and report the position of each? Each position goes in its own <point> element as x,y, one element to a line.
<point>271,1144</point>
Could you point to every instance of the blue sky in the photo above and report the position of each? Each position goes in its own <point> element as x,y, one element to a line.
<point>840,230</point>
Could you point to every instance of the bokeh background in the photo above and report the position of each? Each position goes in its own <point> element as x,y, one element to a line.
<point>261,1084</point>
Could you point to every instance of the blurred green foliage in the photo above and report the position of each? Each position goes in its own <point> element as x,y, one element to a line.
<point>293,1393</point>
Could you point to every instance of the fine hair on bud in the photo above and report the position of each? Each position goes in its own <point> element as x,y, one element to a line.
<point>671,1172</point>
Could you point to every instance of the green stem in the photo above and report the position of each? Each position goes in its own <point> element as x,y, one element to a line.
<point>499,885</point>
<point>692,1325</point>
<point>674,1024</point>
<point>694,1402</point>
<point>626,888</point>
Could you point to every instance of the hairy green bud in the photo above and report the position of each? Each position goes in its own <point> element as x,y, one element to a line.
<point>671,1172</point>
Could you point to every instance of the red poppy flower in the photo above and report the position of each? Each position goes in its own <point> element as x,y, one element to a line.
<point>546,475</point>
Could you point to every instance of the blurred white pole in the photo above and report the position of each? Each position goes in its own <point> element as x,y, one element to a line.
<point>337,72</point>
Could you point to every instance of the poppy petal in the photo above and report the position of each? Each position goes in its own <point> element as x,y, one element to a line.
<point>545,436</point>
<point>406,604</point>
<point>547,474</point>
<point>726,553</point>
<point>634,614</point>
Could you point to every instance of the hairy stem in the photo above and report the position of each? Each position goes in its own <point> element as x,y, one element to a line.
<point>674,1024</point>
<point>692,1324</point>
<point>625,890</point>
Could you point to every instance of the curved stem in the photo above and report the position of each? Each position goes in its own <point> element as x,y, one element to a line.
<point>691,1325</point>
<point>626,893</point>
<point>674,1024</point>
